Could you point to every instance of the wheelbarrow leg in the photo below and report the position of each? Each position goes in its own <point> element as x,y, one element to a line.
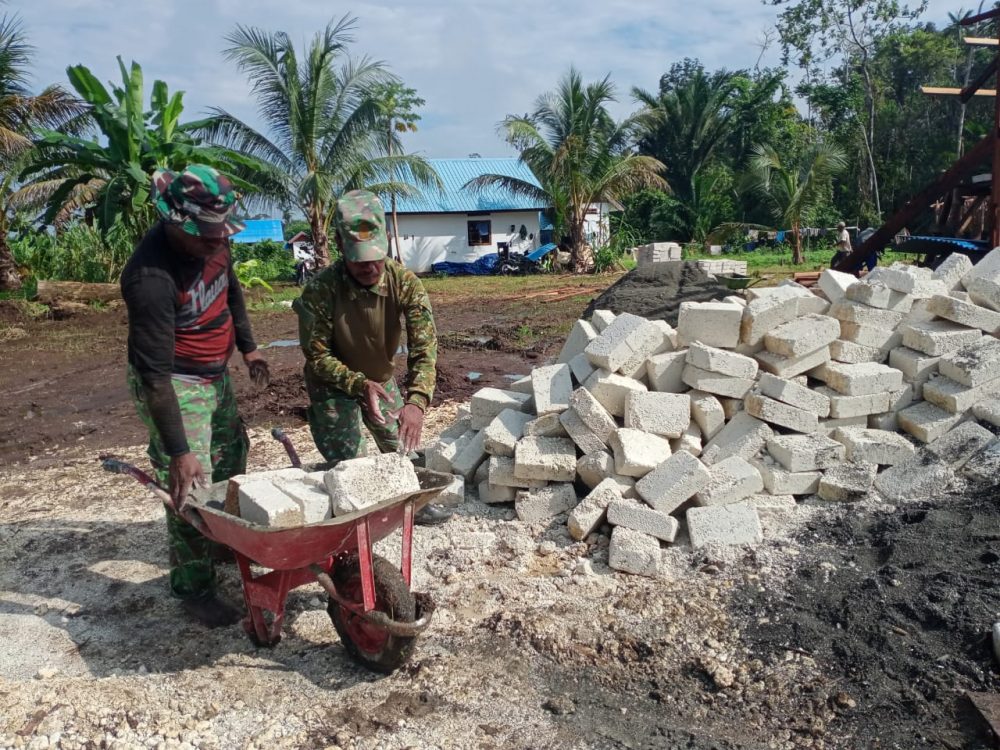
<point>407,553</point>
<point>365,562</point>
<point>253,623</point>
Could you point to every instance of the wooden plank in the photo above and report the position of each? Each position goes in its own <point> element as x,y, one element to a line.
<point>947,91</point>
<point>981,41</point>
<point>985,16</point>
<point>969,91</point>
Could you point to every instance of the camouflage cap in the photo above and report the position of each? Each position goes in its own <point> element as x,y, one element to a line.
<point>199,198</point>
<point>361,225</point>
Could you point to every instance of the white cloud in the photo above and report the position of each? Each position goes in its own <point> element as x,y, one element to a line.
<point>474,61</point>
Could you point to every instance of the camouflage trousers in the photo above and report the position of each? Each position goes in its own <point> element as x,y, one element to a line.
<point>335,422</point>
<point>218,439</point>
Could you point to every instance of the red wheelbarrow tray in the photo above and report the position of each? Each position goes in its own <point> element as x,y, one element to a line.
<point>288,548</point>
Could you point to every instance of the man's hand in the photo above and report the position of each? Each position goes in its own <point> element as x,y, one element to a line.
<point>411,424</point>
<point>185,473</point>
<point>260,374</point>
<point>373,393</point>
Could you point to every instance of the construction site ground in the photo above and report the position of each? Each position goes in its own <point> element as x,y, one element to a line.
<point>851,626</point>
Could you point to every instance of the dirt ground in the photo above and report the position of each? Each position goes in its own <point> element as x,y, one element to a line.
<point>851,626</point>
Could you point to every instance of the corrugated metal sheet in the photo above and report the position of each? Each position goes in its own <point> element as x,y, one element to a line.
<point>258,230</point>
<point>454,174</point>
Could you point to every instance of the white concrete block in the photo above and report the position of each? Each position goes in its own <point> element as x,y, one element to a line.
<point>918,478</point>
<point>789,367</point>
<point>973,364</point>
<point>504,431</point>
<point>635,515</point>
<point>988,410</point>
<point>458,428</point>
<point>542,504</point>
<point>886,421</point>
<point>731,480</point>
<point>766,313</point>
<point>801,453</point>
<point>912,280</point>
<point>521,385</point>
<point>772,506</point>
<point>876,294</point>
<point>845,407</point>
<point>850,353</point>
<point>363,482</point>
<point>875,338</point>
<point>937,337</point>
<point>626,334</point>
<point>986,266</point>
<point>722,362</point>
<point>960,444</point>
<point>919,313</point>
<point>916,367</point>
<point>827,426</point>
<point>724,525</point>
<point>926,422</point>
<point>551,459</point>
<point>689,442</point>
<point>984,466</point>
<point>951,270</point>
<point>634,552</point>
<point>802,336</point>
<point>454,494</point>
<point>581,368</point>
<point>711,323</point>
<point>468,459</point>
<point>848,311</point>
<point>862,379</point>
<point>659,339</point>
<point>547,426</point>
<point>611,389</point>
<point>551,386</point>
<point>793,394</point>
<point>486,403</point>
<point>601,319</point>
<point>874,446</point>
<point>580,335</point>
<point>593,414</point>
<point>955,397</point>
<point>501,474</point>
<point>664,371</point>
<point>440,455</point>
<point>731,406</point>
<point>743,436</point>
<point>903,397</point>
<point>579,433</point>
<point>673,482</point>
<point>264,504</point>
<point>835,284</point>
<point>734,300</point>
<point>590,512</point>
<point>711,382</point>
<point>313,500</point>
<point>664,414</point>
<point>638,453</point>
<point>779,481</point>
<point>848,482</point>
<point>494,494</point>
<point>985,290</point>
<point>774,412</point>
<point>707,413</point>
<point>965,313</point>
<point>594,468</point>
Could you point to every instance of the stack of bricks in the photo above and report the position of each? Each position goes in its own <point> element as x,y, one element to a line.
<point>745,409</point>
<point>657,252</point>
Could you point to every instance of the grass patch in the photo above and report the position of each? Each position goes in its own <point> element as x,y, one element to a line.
<point>259,299</point>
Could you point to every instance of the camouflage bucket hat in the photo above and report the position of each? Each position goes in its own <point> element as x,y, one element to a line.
<point>199,198</point>
<point>361,224</point>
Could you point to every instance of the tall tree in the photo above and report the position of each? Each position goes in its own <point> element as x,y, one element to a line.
<point>578,154</point>
<point>817,31</point>
<point>21,113</point>
<point>795,188</point>
<point>323,122</point>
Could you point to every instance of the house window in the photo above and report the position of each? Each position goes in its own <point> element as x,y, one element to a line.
<point>479,233</point>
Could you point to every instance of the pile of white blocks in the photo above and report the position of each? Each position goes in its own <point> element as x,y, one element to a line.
<point>723,266</point>
<point>748,406</point>
<point>657,252</point>
<point>294,497</point>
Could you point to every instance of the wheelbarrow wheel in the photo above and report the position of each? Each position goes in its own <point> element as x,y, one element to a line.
<point>367,643</point>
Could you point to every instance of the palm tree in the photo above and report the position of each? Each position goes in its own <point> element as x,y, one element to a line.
<point>578,154</point>
<point>794,188</point>
<point>322,120</point>
<point>20,114</point>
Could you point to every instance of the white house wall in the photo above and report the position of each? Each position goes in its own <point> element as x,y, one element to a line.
<point>426,239</point>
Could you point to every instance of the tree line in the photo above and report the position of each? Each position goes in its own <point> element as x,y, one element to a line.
<point>839,130</point>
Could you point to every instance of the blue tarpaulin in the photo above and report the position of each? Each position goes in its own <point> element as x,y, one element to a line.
<point>258,230</point>
<point>483,266</point>
<point>540,252</point>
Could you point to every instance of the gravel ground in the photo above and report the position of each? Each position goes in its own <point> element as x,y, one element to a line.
<point>535,643</point>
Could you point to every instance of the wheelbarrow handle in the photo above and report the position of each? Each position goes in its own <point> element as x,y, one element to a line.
<point>425,609</point>
<point>117,466</point>
<point>279,434</point>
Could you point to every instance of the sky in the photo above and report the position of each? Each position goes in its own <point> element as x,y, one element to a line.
<point>473,61</point>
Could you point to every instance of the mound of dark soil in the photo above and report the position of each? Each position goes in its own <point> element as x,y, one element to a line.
<point>656,291</point>
<point>899,616</point>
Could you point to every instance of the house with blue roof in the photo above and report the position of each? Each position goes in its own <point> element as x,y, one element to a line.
<point>459,225</point>
<point>258,230</point>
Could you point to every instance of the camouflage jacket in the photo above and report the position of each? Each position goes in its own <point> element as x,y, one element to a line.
<point>350,333</point>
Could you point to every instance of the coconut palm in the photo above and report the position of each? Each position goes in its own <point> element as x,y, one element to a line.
<point>578,154</point>
<point>322,120</point>
<point>20,114</point>
<point>794,187</point>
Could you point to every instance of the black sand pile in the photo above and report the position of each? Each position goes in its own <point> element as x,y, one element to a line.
<point>656,291</point>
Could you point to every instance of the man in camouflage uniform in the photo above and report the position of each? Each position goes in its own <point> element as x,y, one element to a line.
<point>186,315</point>
<point>350,329</point>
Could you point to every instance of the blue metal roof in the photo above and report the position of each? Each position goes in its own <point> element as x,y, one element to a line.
<point>454,173</point>
<point>964,244</point>
<point>258,230</point>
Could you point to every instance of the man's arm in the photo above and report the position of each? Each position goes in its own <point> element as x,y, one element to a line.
<point>150,302</point>
<point>421,342</point>
<point>314,309</point>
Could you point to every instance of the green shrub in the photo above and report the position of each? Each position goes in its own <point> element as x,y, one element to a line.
<point>77,253</point>
<point>274,262</point>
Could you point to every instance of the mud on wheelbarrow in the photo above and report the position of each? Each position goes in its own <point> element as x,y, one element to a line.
<point>371,605</point>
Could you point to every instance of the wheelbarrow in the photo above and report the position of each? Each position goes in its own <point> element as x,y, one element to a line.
<point>371,605</point>
<point>737,281</point>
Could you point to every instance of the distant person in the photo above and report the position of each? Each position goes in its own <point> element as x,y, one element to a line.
<point>350,328</point>
<point>186,315</point>
<point>843,244</point>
